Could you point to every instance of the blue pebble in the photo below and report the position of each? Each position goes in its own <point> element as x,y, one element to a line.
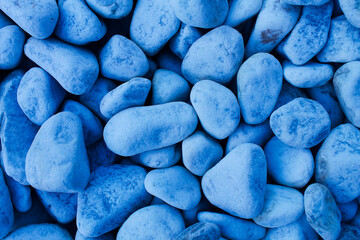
<point>242,10</point>
<point>321,211</point>
<point>174,185</point>
<point>61,206</point>
<point>347,87</point>
<point>20,194</point>
<point>39,95</point>
<point>130,94</point>
<point>289,166</point>
<point>351,10</point>
<point>301,123</point>
<point>92,127</point>
<point>306,2</point>
<point>299,230</point>
<point>152,222</point>
<point>77,24</point>
<point>274,21</point>
<point>99,155</point>
<point>152,69</point>
<point>217,108</point>
<point>343,44</point>
<point>6,211</point>
<point>169,61</point>
<point>200,152</point>
<point>233,227</point>
<point>121,59</point>
<point>168,86</point>
<point>140,129</point>
<point>258,134</point>
<point>259,82</point>
<point>215,56</point>
<point>200,231</point>
<point>348,210</point>
<point>17,131</point>
<point>237,183</point>
<point>287,94</point>
<point>180,43</point>
<point>36,17</point>
<point>159,158</point>
<point>4,20</point>
<point>79,73</point>
<point>43,231</point>
<point>309,75</point>
<point>107,236</point>
<point>190,216</point>
<point>338,163</point>
<point>349,232</point>
<point>201,13</point>
<point>114,192</point>
<point>12,41</point>
<point>152,25</point>
<point>309,35</point>
<point>112,9</point>
<point>93,97</point>
<point>60,139</point>
<point>282,206</point>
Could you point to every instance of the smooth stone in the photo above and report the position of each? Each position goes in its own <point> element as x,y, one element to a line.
<point>237,183</point>
<point>12,40</point>
<point>153,222</point>
<point>180,43</point>
<point>36,17</point>
<point>107,236</point>
<point>140,129</point>
<point>201,13</point>
<point>79,73</point>
<point>259,82</point>
<point>60,139</point>
<point>298,230</point>
<point>159,158</point>
<point>152,68</point>
<point>17,131</point>
<point>346,83</point>
<point>301,123</point>
<point>112,9</point>
<point>306,2</point>
<point>92,127</point>
<point>20,194</point>
<point>289,166</point>
<point>321,211</point>
<point>174,185</point>
<point>6,211</point>
<point>200,231</point>
<point>190,216</point>
<point>168,86</point>
<point>309,75</point>
<point>282,205</point>
<point>258,134</point>
<point>129,94</point>
<point>4,20</point>
<point>338,163</point>
<point>343,44</point>
<point>348,210</point>
<point>349,232</point>
<point>274,21</point>
<point>61,206</point>
<point>43,231</point>
<point>287,94</point>
<point>356,220</point>
<point>152,25</point>
<point>77,24</point>
<point>309,34</point>
<point>93,97</point>
<point>242,10</point>
<point>351,10</point>
<point>113,193</point>
<point>215,56</point>
<point>216,107</point>
<point>325,95</point>
<point>233,227</point>
<point>39,95</point>
<point>121,59</point>
<point>200,152</point>
<point>99,155</point>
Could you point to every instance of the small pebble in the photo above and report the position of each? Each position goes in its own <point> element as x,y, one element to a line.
<point>180,43</point>
<point>351,10</point>
<point>242,10</point>
<point>348,210</point>
<point>200,231</point>
<point>43,231</point>
<point>107,236</point>
<point>12,40</point>
<point>99,155</point>
<point>306,2</point>
<point>112,9</point>
<point>20,194</point>
<point>6,211</point>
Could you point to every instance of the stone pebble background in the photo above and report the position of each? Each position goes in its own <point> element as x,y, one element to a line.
<point>179,119</point>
